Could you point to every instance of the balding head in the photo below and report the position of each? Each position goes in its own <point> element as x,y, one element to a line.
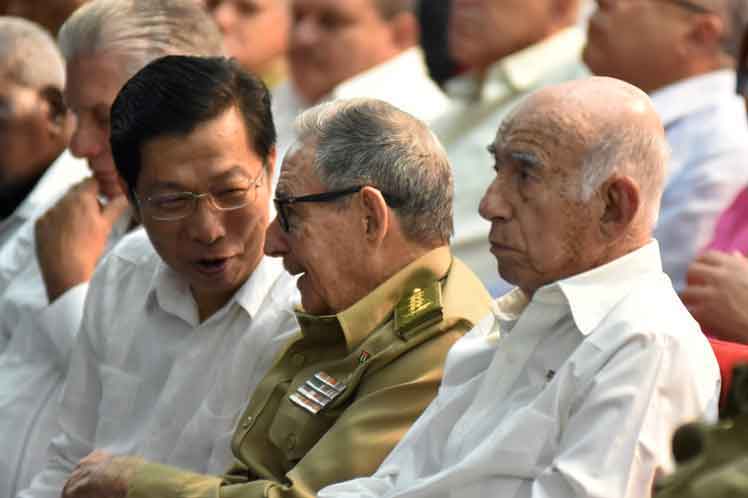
<point>34,124</point>
<point>580,169</point>
<point>29,56</point>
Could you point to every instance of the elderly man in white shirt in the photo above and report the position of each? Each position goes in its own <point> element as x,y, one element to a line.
<point>683,54</point>
<point>574,385</point>
<point>41,304</point>
<point>511,48</point>
<point>356,48</point>
<point>195,304</point>
<point>35,128</point>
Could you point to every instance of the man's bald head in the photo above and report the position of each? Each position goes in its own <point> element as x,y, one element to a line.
<point>29,56</point>
<point>580,170</point>
<point>616,127</point>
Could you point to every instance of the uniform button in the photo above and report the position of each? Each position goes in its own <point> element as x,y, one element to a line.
<point>291,442</point>
<point>247,422</point>
<point>297,360</point>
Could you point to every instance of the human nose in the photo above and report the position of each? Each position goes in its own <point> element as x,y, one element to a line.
<point>276,242</point>
<point>494,206</point>
<point>305,32</point>
<point>87,140</point>
<point>224,14</point>
<point>206,224</point>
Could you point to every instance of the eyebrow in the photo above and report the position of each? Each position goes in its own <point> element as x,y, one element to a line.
<point>526,159</point>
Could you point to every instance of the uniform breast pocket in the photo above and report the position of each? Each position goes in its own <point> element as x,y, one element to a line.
<point>294,430</point>
<point>117,407</point>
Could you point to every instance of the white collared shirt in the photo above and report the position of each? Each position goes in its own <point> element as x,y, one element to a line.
<point>147,378</point>
<point>16,233</point>
<point>471,125</point>
<point>574,394</point>
<point>705,123</point>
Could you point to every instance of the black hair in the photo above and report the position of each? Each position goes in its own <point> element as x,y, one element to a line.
<point>174,94</point>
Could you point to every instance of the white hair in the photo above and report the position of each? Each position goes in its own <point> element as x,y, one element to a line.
<point>140,30</point>
<point>29,56</point>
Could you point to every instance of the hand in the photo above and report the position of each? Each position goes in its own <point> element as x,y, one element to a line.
<point>72,236</point>
<point>716,294</point>
<point>100,475</point>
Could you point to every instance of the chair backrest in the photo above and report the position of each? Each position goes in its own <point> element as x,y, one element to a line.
<point>728,355</point>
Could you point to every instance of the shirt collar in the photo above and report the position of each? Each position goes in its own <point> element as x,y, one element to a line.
<point>520,71</point>
<point>691,94</point>
<point>381,74</point>
<point>172,292</point>
<point>65,170</point>
<point>591,295</point>
<point>354,324</point>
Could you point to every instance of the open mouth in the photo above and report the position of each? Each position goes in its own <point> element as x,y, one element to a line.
<point>212,266</point>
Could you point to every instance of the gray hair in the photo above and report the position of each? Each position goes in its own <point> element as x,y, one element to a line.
<point>370,142</point>
<point>631,151</point>
<point>29,56</point>
<point>140,30</point>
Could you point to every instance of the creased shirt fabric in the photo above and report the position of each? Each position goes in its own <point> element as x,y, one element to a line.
<point>575,393</point>
<point>143,370</point>
<point>62,174</point>
<point>39,336</point>
<point>392,371</point>
<point>731,232</point>
<point>705,124</point>
<point>480,104</point>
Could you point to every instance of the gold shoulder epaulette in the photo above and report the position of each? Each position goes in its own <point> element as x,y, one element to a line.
<point>419,309</point>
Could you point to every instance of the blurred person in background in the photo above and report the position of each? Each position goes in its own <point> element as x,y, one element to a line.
<point>510,48</point>
<point>35,128</point>
<point>49,13</point>
<point>716,289</point>
<point>356,48</point>
<point>683,53</point>
<point>433,18</point>
<point>255,32</point>
<point>103,43</point>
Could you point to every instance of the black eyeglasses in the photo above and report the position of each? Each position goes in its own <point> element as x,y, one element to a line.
<point>282,203</point>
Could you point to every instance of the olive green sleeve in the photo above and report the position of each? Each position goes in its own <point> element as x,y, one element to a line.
<point>386,405</point>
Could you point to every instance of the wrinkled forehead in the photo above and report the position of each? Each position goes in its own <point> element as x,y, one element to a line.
<point>541,135</point>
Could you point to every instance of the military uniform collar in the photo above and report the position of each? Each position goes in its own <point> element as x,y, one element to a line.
<point>354,324</point>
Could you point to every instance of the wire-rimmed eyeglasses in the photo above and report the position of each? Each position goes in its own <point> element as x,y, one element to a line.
<point>173,206</point>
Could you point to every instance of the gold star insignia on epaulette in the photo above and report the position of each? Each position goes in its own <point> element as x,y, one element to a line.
<point>419,309</point>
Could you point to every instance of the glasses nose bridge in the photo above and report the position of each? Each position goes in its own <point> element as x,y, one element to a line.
<point>211,201</point>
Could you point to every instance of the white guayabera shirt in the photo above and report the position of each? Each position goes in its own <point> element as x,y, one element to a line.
<point>147,378</point>
<point>575,393</point>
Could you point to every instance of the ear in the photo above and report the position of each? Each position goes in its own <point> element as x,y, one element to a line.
<point>621,200</point>
<point>376,215</point>
<point>706,30</point>
<point>405,30</point>
<point>270,167</point>
<point>130,197</point>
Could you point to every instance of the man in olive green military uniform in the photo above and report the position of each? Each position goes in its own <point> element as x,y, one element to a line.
<point>364,215</point>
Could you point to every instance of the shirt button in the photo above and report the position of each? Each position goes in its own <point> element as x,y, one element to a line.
<point>297,360</point>
<point>247,422</point>
<point>291,442</point>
